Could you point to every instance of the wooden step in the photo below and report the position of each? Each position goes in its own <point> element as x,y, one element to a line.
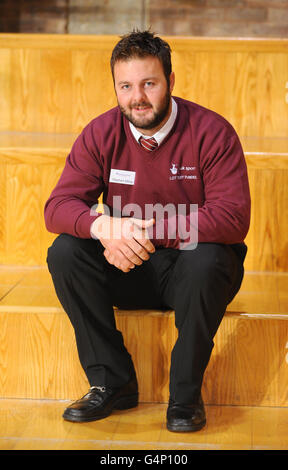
<point>38,425</point>
<point>249,364</point>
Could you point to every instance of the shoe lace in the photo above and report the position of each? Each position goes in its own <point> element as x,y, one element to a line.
<point>95,393</point>
<point>97,387</point>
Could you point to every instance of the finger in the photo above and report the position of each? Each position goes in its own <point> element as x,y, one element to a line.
<point>139,249</point>
<point>143,223</point>
<point>141,234</point>
<point>132,252</point>
<point>143,240</point>
<point>133,228</point>
<point>119,260</point>
<point>128,251</point>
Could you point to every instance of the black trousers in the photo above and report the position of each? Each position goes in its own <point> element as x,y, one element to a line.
<point>198,284</point>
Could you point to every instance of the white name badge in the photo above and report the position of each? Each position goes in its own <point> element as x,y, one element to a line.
<point>122,176</point>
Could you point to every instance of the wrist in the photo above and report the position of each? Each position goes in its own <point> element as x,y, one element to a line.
<point>97,227</point>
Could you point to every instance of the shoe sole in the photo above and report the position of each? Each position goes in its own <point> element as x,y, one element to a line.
<point>123,403</point>
<point>182,428</point>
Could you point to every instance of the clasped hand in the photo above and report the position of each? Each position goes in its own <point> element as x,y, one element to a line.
<point>125,240</point>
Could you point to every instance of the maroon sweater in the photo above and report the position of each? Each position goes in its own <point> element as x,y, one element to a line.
<point>200,162</point>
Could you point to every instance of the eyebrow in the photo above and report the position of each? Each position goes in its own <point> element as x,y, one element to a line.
<point>122,82</point>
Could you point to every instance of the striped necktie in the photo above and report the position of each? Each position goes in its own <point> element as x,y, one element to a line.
<point>148,144</point>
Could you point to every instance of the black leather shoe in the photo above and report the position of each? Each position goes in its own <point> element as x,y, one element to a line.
<point>99,402</point>
<point>185,417</point>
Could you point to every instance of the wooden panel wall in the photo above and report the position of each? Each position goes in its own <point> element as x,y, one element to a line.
<point>58,83</point>
<point>27,178</point>
<point>267,239</point>
<point>51,86</point>
<point>54,84</point>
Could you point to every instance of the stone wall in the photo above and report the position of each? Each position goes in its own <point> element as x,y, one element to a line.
<point>227,18</point>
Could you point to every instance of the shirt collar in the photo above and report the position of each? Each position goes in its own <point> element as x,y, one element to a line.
<point>164,131</point>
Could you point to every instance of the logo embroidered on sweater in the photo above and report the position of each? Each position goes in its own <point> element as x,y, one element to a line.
<point>185,172</point>
<point>173,169</point>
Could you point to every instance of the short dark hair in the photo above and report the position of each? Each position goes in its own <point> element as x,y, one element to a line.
<point>142,44</point>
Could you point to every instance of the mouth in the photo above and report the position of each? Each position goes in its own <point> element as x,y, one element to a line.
<point>142,107</point>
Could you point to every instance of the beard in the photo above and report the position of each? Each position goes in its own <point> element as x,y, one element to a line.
<point>148,122</point>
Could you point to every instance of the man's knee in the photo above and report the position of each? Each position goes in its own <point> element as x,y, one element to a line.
<point>205,263</point>
<point>68,252</point>
<point>61,252</point>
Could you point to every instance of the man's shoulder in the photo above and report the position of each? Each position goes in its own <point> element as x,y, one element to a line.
<point>199,115</point>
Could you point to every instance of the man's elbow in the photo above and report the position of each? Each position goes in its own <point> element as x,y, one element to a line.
<point>48,217</point>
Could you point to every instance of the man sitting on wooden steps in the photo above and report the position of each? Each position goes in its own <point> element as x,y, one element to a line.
<point>176,212</point>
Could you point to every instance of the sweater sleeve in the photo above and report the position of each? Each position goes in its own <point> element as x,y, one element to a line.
<point>224,216</point>
<point>70,207</point>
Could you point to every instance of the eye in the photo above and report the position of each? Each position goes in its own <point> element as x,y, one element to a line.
<point>149,84</point>
<point>123,86</point>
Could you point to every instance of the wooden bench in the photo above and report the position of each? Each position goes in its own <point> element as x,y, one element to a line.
<point>50,87</point>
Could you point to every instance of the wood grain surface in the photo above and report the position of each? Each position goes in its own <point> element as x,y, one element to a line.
<point>248,366</point>
<point>56,83</point>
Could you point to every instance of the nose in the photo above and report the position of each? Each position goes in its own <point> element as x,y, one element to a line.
<point>139,94</point>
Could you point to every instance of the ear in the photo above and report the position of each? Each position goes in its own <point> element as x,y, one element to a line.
<point>172,81</point>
